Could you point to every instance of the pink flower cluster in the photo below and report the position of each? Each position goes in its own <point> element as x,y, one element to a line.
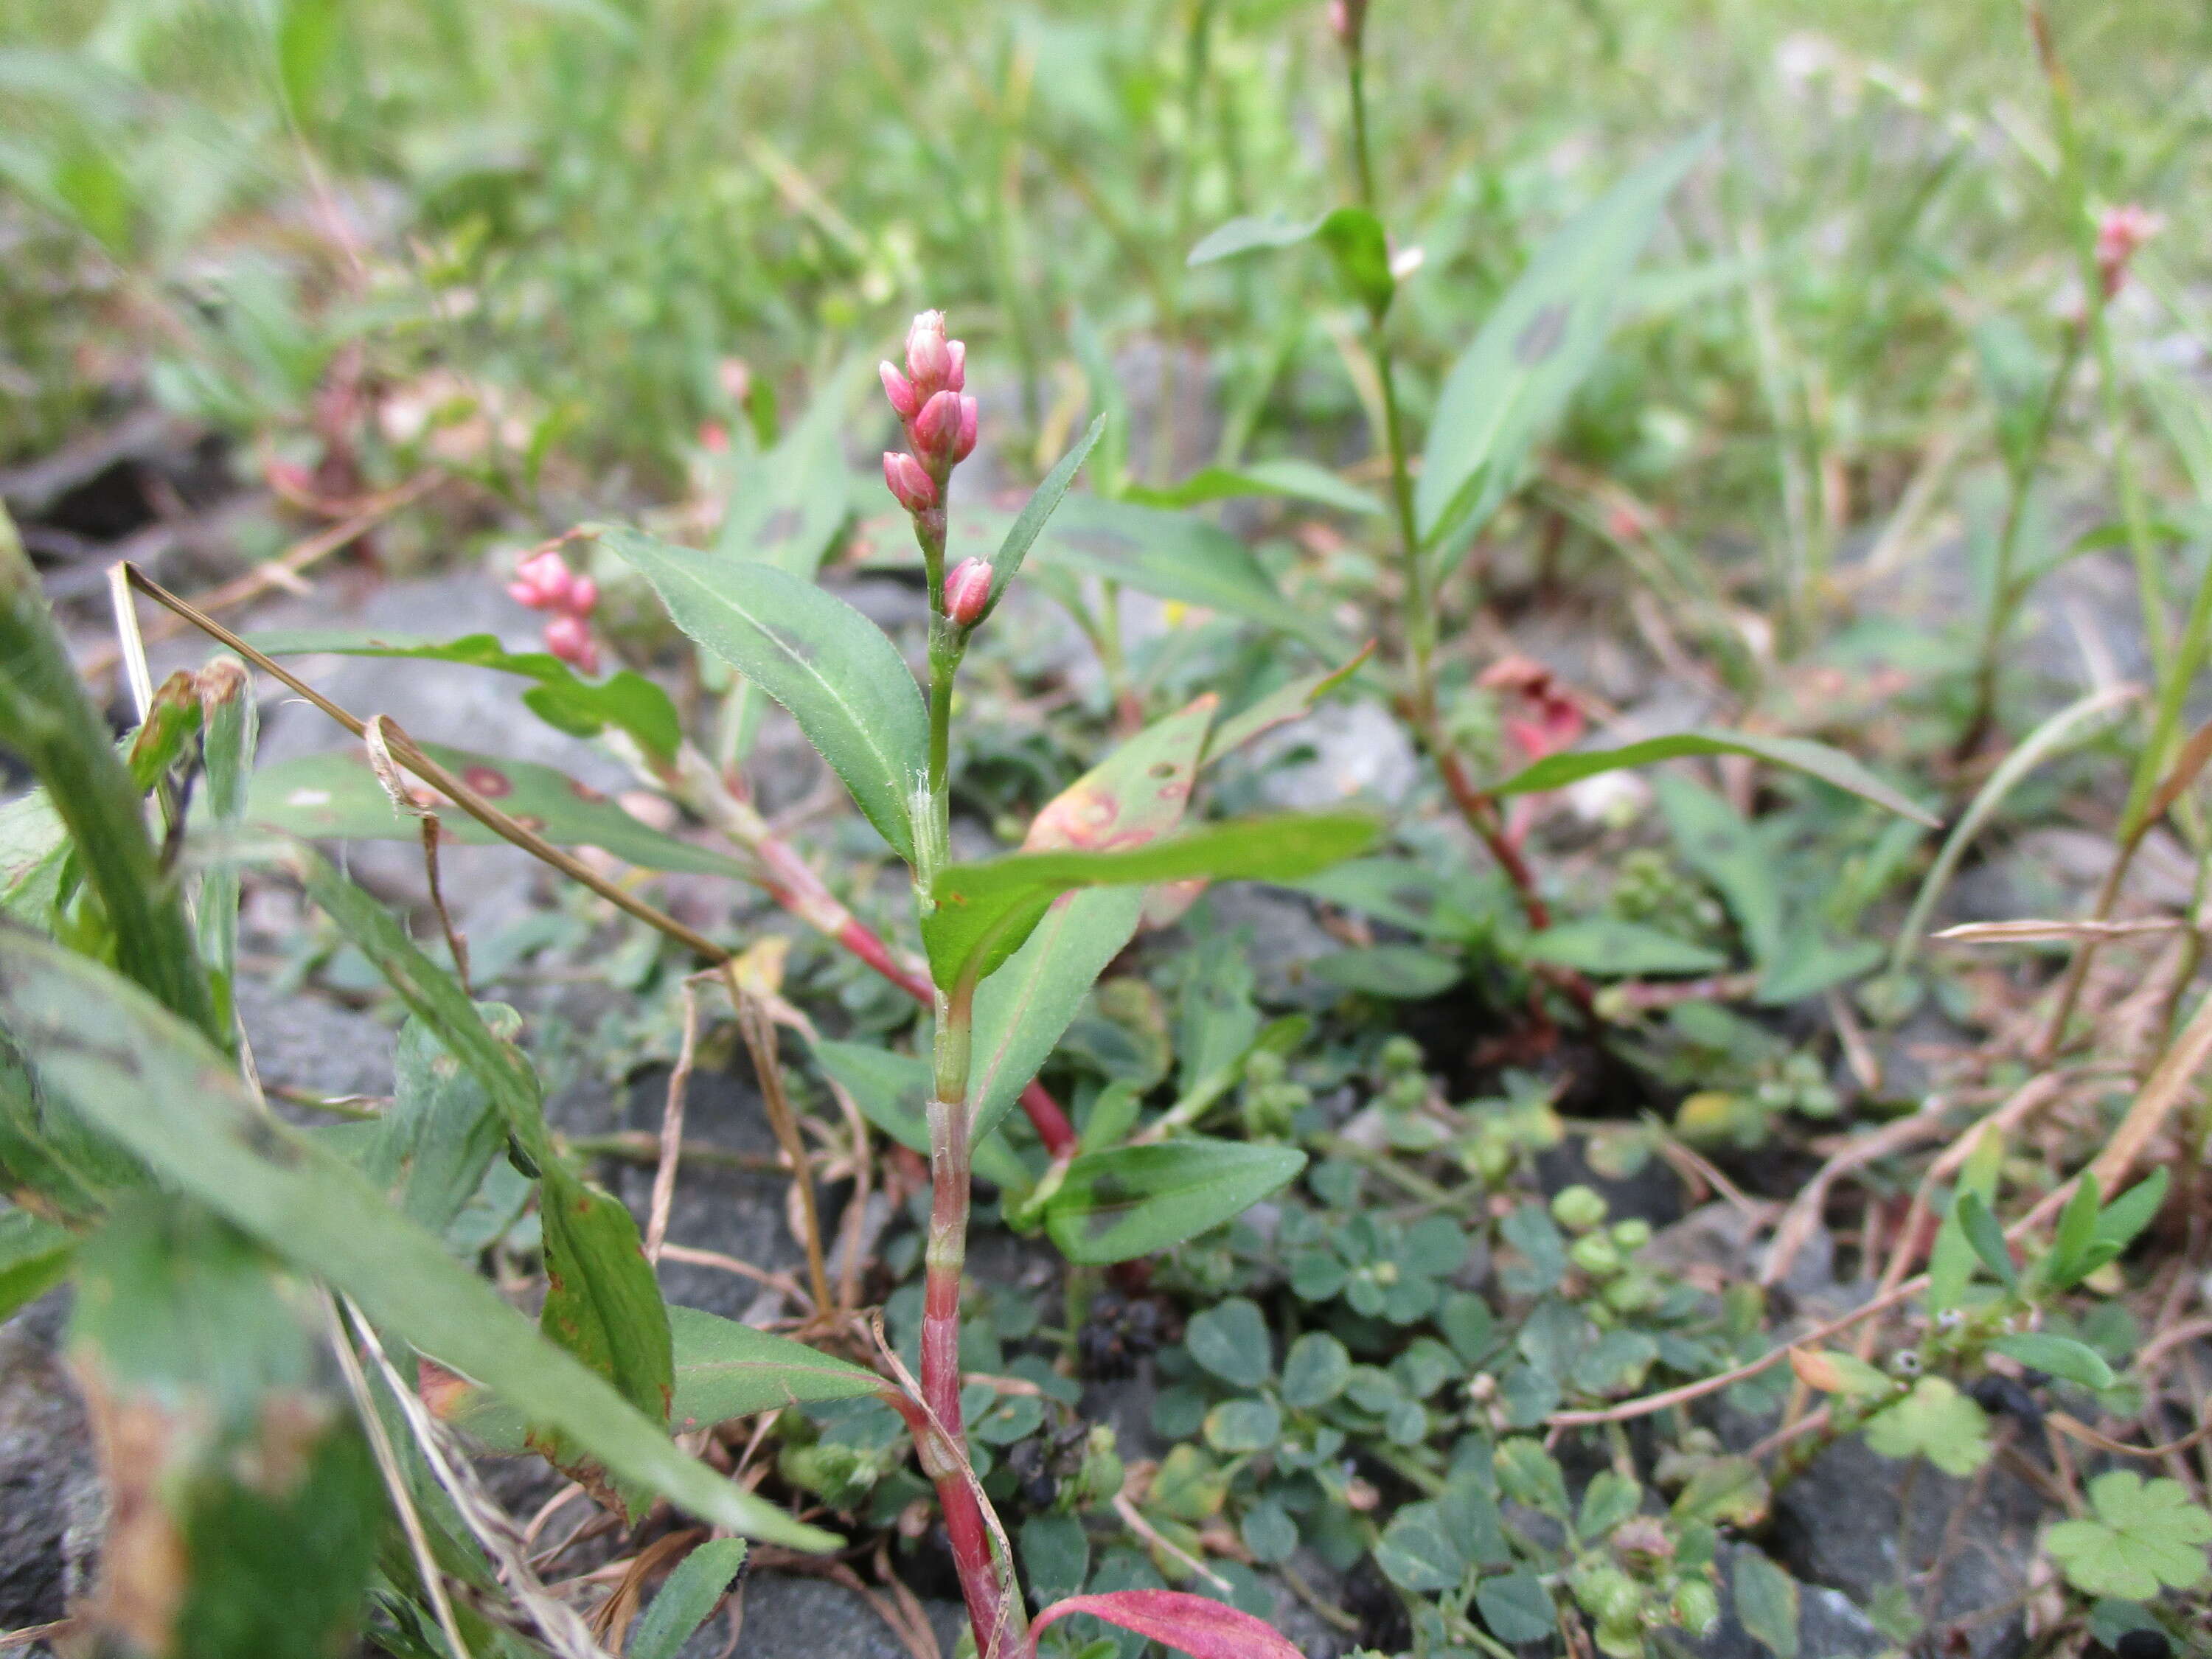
<point>544,582</point>
<point>2119,234</point>
<point>939,418</point>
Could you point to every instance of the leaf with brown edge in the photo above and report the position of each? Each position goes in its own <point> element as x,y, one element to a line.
<point>602,1301</point>
<point>1136,794</point>
<point>1188,1623</point>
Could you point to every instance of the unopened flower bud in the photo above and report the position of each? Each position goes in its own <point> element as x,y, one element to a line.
<point>916,489</point>
<point>1347,20</point>
<point>967,590</point>
<point>900,390</point>
<point>928,359</point>
<point>2119,234</point>
<point>964,445</point>
<point>583,597</point>
<point>570,638</point>
<point>936,429</point>
<point>956,376</point>
<point>542,582</point>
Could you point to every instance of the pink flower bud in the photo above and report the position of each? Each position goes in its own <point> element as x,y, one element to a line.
<point>967,590</point>
<point>2119,234</point>
<point>900,390</point>
<point>956,377</point>
<point>916,489</point>
<point>570,638</point>
<point>927,359</point>
<point>963,444</point>
<point>583,597</point>
<point>936,430</point>
<point>542,582</point>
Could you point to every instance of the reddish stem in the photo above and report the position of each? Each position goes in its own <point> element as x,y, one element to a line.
<point>799,891</point>
<point>965,1529</point>
<point>1480,812</point>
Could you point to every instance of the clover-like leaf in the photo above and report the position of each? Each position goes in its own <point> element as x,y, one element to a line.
<point>1935,1421</point>
<point>2141,1536</point>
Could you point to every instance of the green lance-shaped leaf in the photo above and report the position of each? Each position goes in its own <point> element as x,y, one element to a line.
<point>1042,504</point>
<point>1516,379</point>
<point>1985,1234</point>
<point>1766,1601</point>
<point>336,796</point>
<point>842,680</point>
<point>1136,795</point>
<point>602,1301</point>
<point>33,847</point>
<point>561,698</point>
<point>682,1604</point>
<point>430,1151</point>
<point>146,1079</point>
<point>1250,234</point>
<point>1292,700</point>
<point>34,1257</point>
<point>1128,1201</point>
<point>46,717</point>
<point>2061,1356</point>
<point>786,504</point>
<point>1610,946</point>
<point>604,1304</point>
<point>1173,556</point>
<point>983,912</point>
<point>723,1371</point>
<point>1352,237</point>
<point>787,507</point>
<point>1297,479</point>
<point>434,996</point>
<point>230,724</point>
<point>1831,765</point>
<point>1951,1260</point>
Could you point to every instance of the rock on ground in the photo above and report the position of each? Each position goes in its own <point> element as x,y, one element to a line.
<point>1964,1549</point>
<point>1829,1626</point>
<point>51,1508</point>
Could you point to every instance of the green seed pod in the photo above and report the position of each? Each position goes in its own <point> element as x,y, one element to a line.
<point>1401,1054</point>
<point>1631,1235</point>
<point>1596,1255</point>
<point>1696,1607</point>
<point>1578,1209</point>
<point>1264,1066</point>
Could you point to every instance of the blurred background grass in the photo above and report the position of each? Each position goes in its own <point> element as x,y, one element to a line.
<point>597,227</point>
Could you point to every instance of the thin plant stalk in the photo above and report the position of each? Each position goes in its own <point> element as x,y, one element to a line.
<point>1417,611</point>
<point>2005,591</point>
<point>2174,663</point>
<point>922,480</point>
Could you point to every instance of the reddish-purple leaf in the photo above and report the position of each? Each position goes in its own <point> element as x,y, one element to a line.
<point>1188,1623</point>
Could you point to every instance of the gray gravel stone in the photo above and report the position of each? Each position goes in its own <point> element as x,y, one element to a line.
<point>1965,1548</point>
<point>1829,1625</point>
<point>50,1509</point>
<point>793,1617</point>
